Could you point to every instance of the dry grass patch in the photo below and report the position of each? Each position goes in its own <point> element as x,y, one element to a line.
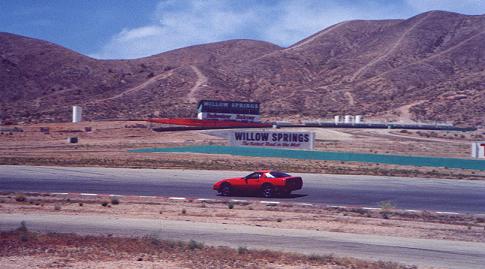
<point>37,247</point>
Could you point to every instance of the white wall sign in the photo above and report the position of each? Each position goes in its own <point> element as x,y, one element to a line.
<point>478,150</point>
<point>293,140</point>
<point>227,116</point>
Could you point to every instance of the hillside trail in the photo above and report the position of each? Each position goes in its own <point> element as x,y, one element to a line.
<point>201,81</point>
<point>388,52</point>
<point>350,97</point>
<point>301,43</point>
<point>317,35</point>
<point>137,88</point>
<point>405,111</point>
<point>459,44</point>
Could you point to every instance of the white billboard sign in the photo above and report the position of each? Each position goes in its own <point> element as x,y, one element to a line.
<point>478,150</point>
<point>269,139</point>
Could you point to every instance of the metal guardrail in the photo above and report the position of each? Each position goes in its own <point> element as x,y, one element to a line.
<point>382,126</point>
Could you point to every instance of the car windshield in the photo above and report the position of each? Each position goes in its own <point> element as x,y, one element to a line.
<point>255,175</point>
<point>277,174</point>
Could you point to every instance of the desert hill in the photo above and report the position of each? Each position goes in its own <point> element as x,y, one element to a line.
<point>428,67</point>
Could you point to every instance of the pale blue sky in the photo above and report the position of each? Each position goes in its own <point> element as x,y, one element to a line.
<point>113,29</point>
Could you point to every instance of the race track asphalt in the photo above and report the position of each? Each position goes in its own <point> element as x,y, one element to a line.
<point>350,190</point>
<point>406,193</point>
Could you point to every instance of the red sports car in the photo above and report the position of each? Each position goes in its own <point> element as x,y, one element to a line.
<point>266,182</point>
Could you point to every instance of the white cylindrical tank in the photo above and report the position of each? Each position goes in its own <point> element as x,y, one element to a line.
<point>337,119</point>
<point>347,119</point>
<point>358,118</point>
<point>76,113</point>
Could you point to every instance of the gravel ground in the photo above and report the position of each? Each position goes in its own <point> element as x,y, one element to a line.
<point>108,142</point>
<point>426,225</point>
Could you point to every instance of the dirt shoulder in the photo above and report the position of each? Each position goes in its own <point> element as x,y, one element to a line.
<point>384,221</point>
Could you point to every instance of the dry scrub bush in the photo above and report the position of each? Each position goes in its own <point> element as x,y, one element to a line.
<point>115,201</point>
<point>193,245</point>
<point>242,250</point>
<point>20,197</point>
<point>387,205</point>
<point>23,232</point>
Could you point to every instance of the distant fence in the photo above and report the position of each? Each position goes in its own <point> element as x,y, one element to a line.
<point>371,125</point>
<point>196,124</point>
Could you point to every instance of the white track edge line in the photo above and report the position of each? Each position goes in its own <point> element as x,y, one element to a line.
<point>243,201</point>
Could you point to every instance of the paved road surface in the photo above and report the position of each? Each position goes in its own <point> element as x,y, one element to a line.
<point>435,253</point>
<point>406,193</point>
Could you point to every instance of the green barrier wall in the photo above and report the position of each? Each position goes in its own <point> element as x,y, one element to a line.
<point>327,156</point>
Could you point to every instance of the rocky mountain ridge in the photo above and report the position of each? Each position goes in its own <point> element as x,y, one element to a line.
<point>429,67</point>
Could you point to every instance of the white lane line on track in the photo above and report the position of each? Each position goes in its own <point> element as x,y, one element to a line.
<point>337,206</point>
<point>206,200</point>
<point>447,213</point>
<point>88,194</point>
<point>144,196</point>
<point>412,210</point>
<point>59,193</point>
<point>269,202</point>
<point>371,208</point>
<point>115,195</point>
<point>303,204</point>
<point>239,201</point>
<point>177,198</point>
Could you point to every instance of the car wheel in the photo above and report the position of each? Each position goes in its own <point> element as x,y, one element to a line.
<point>267,191</point>
<point>226,190</point>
